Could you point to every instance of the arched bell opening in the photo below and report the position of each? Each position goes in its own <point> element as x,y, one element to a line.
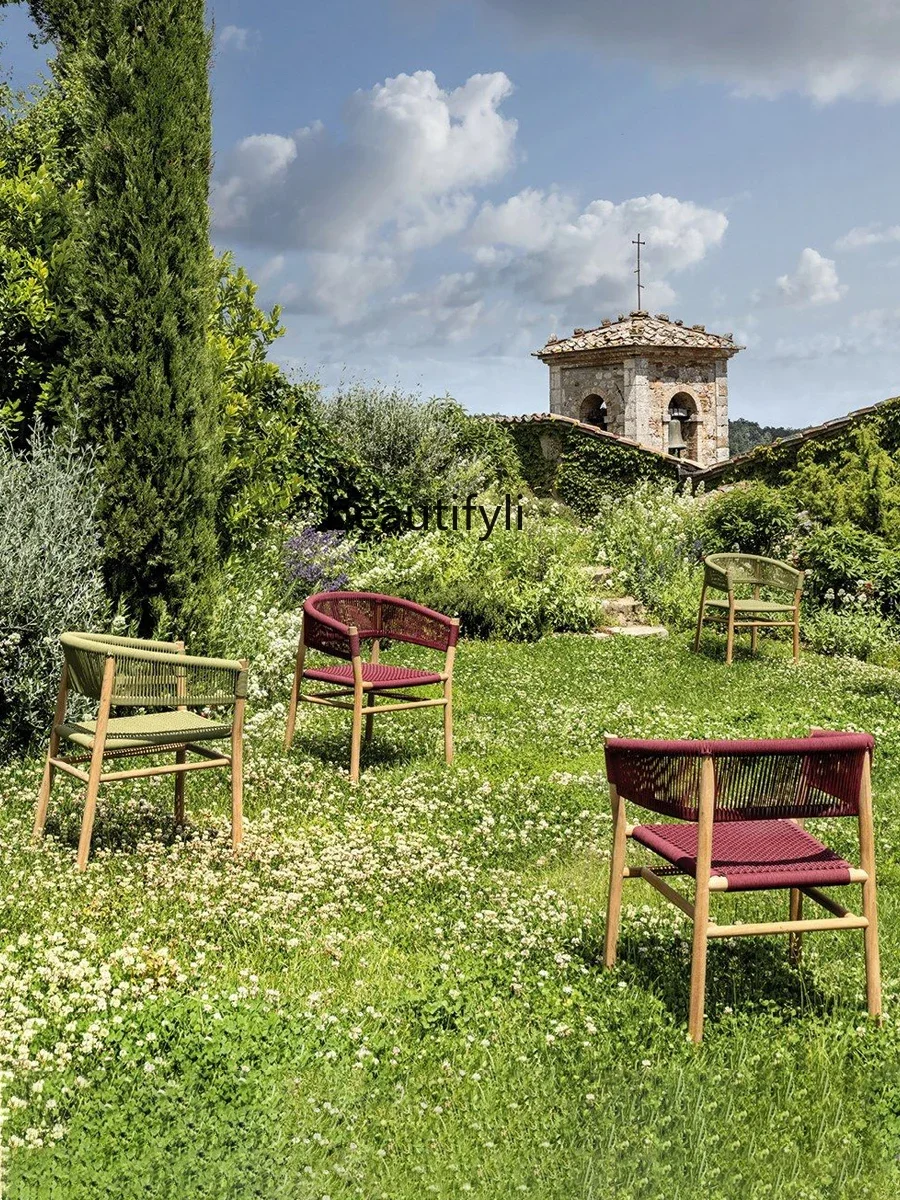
<point>593,411</point>
<point>682,426</point>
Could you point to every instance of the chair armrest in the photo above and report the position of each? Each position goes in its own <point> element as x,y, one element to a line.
<point>716,578</point>
<point>321,632</point>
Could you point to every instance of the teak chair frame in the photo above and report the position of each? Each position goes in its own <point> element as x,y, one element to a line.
<point>117,652</point>
<point>726,572</point>
<point>347,639</point>
<point>706,885</point>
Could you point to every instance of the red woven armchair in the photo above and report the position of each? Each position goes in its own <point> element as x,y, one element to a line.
<point>743,803</point>
<point>337,623</point>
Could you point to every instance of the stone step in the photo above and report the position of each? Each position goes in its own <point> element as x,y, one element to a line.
<point>623,610</point>
<point>597,574</point>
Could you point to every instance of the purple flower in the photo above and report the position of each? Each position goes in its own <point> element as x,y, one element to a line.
<point>317,560</point>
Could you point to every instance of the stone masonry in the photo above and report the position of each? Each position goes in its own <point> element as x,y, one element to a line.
<point>641,368</point>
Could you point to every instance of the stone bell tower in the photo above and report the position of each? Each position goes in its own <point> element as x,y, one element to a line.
<point>656,381</point>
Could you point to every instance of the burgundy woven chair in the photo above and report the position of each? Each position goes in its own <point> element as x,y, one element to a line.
<point>744,802</point>
<point>337,623</point>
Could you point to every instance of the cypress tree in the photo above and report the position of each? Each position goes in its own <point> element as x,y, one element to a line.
<point>140,371</point>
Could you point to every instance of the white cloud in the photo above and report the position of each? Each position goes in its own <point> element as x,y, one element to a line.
<point>399,181</point>
<point>549,250</point>
<point>353,216</point>
<point>235,37</point>
<point>815,281</point>
<point>828,49</point>
<point>875,331</point>
<point>868,235</point>
<point>270,269</point>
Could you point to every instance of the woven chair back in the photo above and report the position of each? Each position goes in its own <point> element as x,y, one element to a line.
<point>328,616</point>
<point>163,677</point>
<point>751,570</point>
<point>754,779</point>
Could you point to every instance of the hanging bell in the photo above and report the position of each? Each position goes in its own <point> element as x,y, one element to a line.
<point>677,444</point>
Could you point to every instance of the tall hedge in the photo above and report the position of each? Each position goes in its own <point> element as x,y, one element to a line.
<point>140,371</point>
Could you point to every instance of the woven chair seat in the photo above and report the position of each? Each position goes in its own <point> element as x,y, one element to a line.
<point>148,729</point>
<point>750,854</point>
<point>760,606</point>
<point>375,675</point>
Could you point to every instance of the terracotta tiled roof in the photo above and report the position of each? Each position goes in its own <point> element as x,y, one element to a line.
<point>640,329</point>
<point>594,431</point>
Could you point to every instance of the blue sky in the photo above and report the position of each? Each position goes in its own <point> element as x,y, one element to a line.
<point>430,190</point>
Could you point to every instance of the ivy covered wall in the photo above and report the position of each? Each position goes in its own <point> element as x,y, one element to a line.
<point>568,463</point>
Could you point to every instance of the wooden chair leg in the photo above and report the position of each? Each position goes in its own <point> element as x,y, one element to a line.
<point>869,897</point>
<point>698,975</point>
<point>795,939</point>
<point>295,695</point>
<point>370,720</point>
<point>873,957</point>
<point>616,879</point>
<point>40,816</point>
<point>96,768</point>
<point>180,757</point>
<point>701,901</point>
<point>754,628</point>
<point>729,646</point>
<point>237,774</point>
<point>700,616</point>
<point>448,724</point>
<point>90,807</point>
<point>356,731</point>
<point>796,635</point>
<point>449,660</point>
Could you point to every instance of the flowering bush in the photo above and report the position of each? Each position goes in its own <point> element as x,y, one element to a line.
<point>50,579</point>
<point>857,629</point>
<point>318,561</point>
<point>651,542</point>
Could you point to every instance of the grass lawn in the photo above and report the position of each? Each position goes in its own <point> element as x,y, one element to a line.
<point>396,990</point>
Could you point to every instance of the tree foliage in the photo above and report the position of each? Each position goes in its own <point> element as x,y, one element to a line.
<point>138,362</point>
<point>39,203</point>
<point>744,435</point>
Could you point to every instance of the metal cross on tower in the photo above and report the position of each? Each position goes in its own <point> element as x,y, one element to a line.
<point>637,271</point>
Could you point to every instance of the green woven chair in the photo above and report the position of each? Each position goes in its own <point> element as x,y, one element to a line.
<point>767,580</point>
<point>129,673</point>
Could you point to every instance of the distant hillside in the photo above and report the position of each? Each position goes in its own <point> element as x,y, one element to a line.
<point>744,435</point>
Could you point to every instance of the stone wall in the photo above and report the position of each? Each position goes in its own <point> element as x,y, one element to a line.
<point>697,380</point>
<point>571,385</point>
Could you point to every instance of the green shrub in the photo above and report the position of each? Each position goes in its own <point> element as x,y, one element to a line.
<point>650,541</point>
<point>751,518</point>
<point>592,470</point>
<point>856,630</point>
<point>39,202</point>
<point>846,564</point>
<point>400,451</point>
<point>51,579</point>
<point>516,584</point>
